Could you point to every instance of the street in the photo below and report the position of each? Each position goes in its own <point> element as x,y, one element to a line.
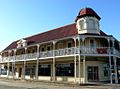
<point>20,84</point>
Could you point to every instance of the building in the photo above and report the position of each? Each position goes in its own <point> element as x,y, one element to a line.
<point>78,53</point>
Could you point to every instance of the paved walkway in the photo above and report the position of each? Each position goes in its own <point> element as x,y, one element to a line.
<point>20,84</point>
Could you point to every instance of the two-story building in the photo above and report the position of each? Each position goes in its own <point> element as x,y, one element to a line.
<point>77,53</point>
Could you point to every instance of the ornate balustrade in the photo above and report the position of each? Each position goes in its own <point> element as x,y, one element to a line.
<point>63,52</point>
<point>46,54</point>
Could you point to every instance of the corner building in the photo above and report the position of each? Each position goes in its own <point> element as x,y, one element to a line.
<point>76,53</point>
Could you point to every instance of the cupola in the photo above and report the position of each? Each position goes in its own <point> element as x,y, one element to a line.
<point>87,21</point>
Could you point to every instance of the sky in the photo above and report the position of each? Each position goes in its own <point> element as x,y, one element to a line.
<point>23,18</point>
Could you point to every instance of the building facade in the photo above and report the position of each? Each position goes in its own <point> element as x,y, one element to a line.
<point>77,53</point>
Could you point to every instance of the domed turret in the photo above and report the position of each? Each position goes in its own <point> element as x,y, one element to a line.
<point>87,21</point>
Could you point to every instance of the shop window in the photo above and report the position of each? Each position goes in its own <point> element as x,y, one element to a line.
<point>44,70</point>
<point>65,69</point>
<point>106,70</point>
<point>30,70</point>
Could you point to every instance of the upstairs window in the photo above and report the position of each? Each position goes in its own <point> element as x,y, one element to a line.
<point>81,24</point>
<point>48,48</point>
<point>91,24</point>
<point>60,45</point>
<point>42,49</point>
<point>69,44</point>
<point>92,44</point>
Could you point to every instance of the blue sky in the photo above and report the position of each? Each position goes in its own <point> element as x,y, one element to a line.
<point>23,18</point>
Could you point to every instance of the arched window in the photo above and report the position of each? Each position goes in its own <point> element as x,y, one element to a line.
<point>97,24</point>
<point>91,24</point>
<point>81,23</point>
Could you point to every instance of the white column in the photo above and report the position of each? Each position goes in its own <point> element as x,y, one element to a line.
<point>8,69</point>
<point>24,64</point>
<point>37,62</point>
<point>84,70</point>
<point>110,61</point>
<point>79,60</point>
<point>75,63</point>
<point>0,69</point>
<point>115,65</point>
<point>12,70</point>
<point>115,69</point>
<point>75,69</point>
<point>13,65</point>
<point>54,72</point>
<point>84,66</point>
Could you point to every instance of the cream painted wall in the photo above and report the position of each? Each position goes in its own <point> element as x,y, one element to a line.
<point>100,66</point>
<point>87,26</point>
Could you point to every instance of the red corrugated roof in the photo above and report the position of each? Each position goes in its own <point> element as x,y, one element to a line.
<point>65,31</point>
<point>87,12</point>
<point>57,33</point>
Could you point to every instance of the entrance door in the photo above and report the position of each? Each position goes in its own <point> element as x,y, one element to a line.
<point>93,73</point>
<point>20,72</point>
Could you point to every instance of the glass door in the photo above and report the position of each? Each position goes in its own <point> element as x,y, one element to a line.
<point>93,74</point>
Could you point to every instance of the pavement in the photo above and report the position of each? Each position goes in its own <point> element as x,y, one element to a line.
<point>23,84</point>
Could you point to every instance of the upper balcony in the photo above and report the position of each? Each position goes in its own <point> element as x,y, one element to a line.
<point>96,51</point>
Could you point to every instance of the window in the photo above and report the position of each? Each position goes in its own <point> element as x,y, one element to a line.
<point>33,51</point>
<point>81,24</point>
<point>91,24</point>
<point>48,48</point>
<point>28,51</point>
<point>106,70</point>
<point>60,45</point>
<point>69,44</point>
<point>97,24</point>
<point>92,44</point>
<point>30,70</point>
<point>44,70</point>
<point>65,69</point>
<point>42,49</point>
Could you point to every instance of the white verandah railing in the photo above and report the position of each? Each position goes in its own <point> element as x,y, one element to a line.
<point>62,52</point>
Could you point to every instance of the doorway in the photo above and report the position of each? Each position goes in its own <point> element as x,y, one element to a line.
<point>20,72</point>
<point>93,74</point>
